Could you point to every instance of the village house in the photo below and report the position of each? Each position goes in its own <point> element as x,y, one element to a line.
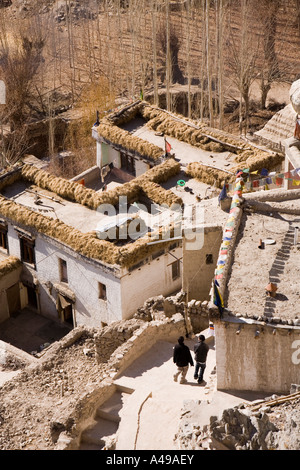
<point>255,296</point>
<point>77,266</point>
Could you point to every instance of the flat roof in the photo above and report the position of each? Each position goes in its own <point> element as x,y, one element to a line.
<point>184,152</point>
<point>254,268</point>
<point>77,215</point>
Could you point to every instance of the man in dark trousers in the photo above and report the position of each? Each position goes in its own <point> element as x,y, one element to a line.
<point>182,358</point>
<point>200,350</point>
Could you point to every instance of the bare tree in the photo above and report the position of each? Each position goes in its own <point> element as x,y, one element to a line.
<point>19,66</point>
<point>244,52</point>
<point>270,69</point>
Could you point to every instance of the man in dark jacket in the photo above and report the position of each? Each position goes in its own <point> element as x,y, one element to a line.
<point>200,350</point>
<point>182,358</point>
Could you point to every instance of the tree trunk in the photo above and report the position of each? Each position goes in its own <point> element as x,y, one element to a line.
<point>168,57</point>
<point>154,45</point>
<point>208,65</point>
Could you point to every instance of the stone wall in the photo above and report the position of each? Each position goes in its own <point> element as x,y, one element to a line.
<point>236,429</point>
<point>271,423</point>
<point>113,336</point>
<point>196,311</point>
<point>142,336</point>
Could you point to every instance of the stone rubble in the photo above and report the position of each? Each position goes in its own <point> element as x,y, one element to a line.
<point>239,428</point>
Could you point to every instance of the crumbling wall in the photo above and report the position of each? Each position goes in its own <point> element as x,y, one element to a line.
<point>113,336</point>
<point>236,429</point>
<point>271,423</point>
<point>144,338</point>
<point>197,312</point>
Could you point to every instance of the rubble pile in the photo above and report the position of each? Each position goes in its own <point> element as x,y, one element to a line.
<point>241,428</point>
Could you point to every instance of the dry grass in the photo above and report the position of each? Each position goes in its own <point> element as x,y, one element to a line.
<point>75,192</point>
<point>117,136</point>
<point>9,265</point>
<point>208,175</point>
<point>88,244</point>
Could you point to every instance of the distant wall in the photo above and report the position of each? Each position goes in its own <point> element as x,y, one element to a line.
<point>89,176</point>
<point>199,265</point>
<point>267,362</point>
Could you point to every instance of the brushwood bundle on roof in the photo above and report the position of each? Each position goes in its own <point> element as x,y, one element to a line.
<point>208,175</point>
<point>123,139</point>
<point>254,160</point>
<point>88,197</point>
<point>189,131</point>
<point>9,265</point>
<point>88,244</point>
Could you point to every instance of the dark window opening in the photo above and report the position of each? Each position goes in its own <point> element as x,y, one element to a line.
<point>102,291</point>
<point>3,238</point>
<point>128,164</point>
<point>209,259</point>
<point>63,271</point>
<point>175,270</point>
<point>27,250</point>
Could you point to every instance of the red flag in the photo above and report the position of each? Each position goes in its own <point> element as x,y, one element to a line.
<point>168,147</point>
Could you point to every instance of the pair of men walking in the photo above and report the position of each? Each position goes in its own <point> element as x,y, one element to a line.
<point>182,358</point>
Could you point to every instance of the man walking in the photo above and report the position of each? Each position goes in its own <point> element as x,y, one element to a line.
<point>201,351</point>
<point>182,358</point>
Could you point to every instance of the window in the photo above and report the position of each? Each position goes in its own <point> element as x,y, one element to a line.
<point>27,250</point>
<point>128,163</point>
<point>158,254</point>
<point>173,246</point>
<point>209,259</point>
<point>63,270</point>
<point>102,291</point>
<point>3,237</point>
<point>175,270</point>
<point>136,266</point>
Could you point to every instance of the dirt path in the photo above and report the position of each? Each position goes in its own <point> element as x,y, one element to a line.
<point>162,399</point>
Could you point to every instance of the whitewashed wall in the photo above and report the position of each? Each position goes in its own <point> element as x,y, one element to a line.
<point>125,291</point>
<point>152,279</point>
<point>267,362</point>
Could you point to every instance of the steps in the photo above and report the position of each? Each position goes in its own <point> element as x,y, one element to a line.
<point>106,421</point>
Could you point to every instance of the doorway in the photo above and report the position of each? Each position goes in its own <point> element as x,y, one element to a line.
<point>32,298</point>
<point>64,308</point>
<point>13,299</point>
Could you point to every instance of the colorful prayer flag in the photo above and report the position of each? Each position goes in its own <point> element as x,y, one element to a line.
<point>218,301</point>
